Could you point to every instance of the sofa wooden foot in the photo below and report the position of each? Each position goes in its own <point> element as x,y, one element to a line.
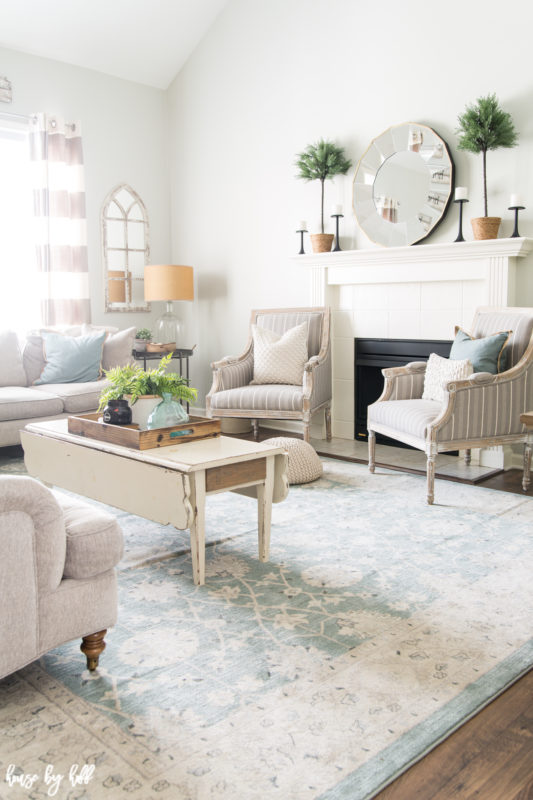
<point>91,646</point>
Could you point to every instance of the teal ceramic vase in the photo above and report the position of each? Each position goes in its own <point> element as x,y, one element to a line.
<point>167,413</point>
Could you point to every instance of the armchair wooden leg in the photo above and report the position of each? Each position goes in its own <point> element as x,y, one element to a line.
<point>468,457</point>
<point>306,431</point>
<point>255,425</point>
<point>526,480</point>
<point>371,451</point>
<point>430,478</point>
<point>91,646</point>
<point>327,419</point>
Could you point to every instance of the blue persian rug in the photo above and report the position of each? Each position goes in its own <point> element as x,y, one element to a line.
<point>379,626</point>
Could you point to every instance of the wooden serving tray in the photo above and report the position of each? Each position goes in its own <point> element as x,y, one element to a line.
<point>91,426</point>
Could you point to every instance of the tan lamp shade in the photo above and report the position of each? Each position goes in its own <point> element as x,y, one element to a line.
<point>168,282</point>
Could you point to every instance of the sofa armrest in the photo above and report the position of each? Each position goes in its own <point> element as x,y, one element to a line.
<point>20,493</point>
<point>404,383</point>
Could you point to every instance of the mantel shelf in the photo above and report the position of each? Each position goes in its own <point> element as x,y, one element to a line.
<point>518,247</point>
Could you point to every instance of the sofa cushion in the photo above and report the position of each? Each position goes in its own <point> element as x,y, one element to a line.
<point>76,398</point>
<point>12,369</point>
<point>408,416</point>
<point>267,397</point>
<point>117,349</point>
<point>94,538</point>
<point>72,359</point>
<point>21,402</point>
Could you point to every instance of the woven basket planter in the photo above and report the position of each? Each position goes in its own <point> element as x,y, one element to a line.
<point>486,227</point>
<point>321,242</point>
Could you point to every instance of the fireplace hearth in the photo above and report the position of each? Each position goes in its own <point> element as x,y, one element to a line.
<point>373,355</point>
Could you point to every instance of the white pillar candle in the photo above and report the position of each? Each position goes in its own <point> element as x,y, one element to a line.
<point>516,200</point>
<point>336,210</point>
<point>302,225</point>
<point>461,193</point>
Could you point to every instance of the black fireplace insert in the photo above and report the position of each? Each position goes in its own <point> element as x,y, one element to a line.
<point>373,355</point>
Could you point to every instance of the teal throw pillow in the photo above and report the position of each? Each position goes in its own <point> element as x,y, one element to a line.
<point>72,359</point>
<point>485,355</point>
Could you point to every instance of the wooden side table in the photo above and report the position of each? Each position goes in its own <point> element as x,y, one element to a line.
<point>527,420</point>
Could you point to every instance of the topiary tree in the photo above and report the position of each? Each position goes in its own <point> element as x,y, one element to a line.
<point>321,161</point>
<point>485,126</point>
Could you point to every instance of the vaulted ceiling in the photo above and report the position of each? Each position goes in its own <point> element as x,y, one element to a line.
<point>147,41</point>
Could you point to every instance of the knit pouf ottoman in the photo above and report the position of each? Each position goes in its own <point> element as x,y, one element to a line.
<point>304,463</point>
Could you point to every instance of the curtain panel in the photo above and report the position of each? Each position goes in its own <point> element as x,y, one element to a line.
<point>61,228</point>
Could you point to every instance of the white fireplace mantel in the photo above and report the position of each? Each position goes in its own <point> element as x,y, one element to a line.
<point>490,260</point>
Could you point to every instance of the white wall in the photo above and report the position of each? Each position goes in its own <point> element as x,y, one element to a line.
<point>125,137</point>
<point>271,77</point>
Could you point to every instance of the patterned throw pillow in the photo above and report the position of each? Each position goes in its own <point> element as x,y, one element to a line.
<point>486,354</point>
<point>441,370</point>
<point>279,359</point>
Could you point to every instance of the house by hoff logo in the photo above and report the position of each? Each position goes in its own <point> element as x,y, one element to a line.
<point>77,776</point>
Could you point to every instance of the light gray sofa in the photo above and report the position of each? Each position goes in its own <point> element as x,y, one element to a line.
<point>57,573</point>
<point>21,363</point>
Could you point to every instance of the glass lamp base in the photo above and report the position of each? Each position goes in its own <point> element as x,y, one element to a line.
<point>167,328</point>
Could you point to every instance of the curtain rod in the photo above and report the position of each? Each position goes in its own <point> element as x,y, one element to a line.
<point>10,115</point>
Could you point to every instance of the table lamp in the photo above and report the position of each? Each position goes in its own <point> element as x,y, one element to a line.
<point>168,282</point>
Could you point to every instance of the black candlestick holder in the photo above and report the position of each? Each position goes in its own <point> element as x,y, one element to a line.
<point>301,232</point>
<point>336,217</point>
<point>460,237</point>
<point>516,209</point>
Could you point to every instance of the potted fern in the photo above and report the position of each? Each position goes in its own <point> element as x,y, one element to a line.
<point>321,161</point>
<point>485,126</point>
<point>145,388</point>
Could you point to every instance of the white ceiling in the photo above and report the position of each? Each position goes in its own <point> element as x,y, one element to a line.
<point>147,41</point>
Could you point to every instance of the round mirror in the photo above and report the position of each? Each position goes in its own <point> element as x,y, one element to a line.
<point>403,185</point>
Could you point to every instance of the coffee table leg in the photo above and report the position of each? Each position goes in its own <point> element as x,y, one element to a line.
<point>197,528</point>
<point>264,509</point>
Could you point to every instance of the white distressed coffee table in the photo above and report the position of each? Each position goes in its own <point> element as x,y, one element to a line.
<point>165,484</point>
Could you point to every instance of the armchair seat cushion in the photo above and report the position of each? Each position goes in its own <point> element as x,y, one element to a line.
<point>411,417</point>
<point>264,397</point>
<point>94,539</point>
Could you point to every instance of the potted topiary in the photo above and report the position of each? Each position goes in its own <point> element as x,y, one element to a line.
<point>142,337</point>
<point>485,126</point>
<point>145,388</point>
<point>321,161</point>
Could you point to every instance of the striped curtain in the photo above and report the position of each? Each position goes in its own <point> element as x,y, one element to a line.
<point>61,229</point>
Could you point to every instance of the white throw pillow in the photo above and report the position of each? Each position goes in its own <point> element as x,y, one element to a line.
<point>279,359</point>
<point>440,371</point>
<point>117,346</point>
<point>12,371</point>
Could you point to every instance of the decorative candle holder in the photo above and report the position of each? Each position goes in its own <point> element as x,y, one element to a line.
<point>516,209</point>
<point>301,232</point>
<point>336,217</point>
<point>460,237</point>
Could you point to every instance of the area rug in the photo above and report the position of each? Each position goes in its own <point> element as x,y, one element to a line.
<point>379,626</point>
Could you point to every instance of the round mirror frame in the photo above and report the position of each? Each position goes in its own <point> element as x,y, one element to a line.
<point>376,216</point>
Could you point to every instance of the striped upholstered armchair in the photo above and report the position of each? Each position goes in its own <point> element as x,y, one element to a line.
<point>235,394</point>
<point>482,410</point>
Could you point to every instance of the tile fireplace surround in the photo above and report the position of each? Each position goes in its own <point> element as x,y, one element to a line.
<point>417,292</point>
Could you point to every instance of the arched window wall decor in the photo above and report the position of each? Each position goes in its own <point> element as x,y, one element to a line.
<point>126,249</point>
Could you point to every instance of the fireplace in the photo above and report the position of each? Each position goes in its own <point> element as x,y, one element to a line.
<point>373,355</point>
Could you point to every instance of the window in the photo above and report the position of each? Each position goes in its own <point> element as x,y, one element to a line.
<point>20,307</point>
<point>125,249</point>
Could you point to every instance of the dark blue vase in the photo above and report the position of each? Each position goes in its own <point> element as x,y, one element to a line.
<point>117,412</point>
